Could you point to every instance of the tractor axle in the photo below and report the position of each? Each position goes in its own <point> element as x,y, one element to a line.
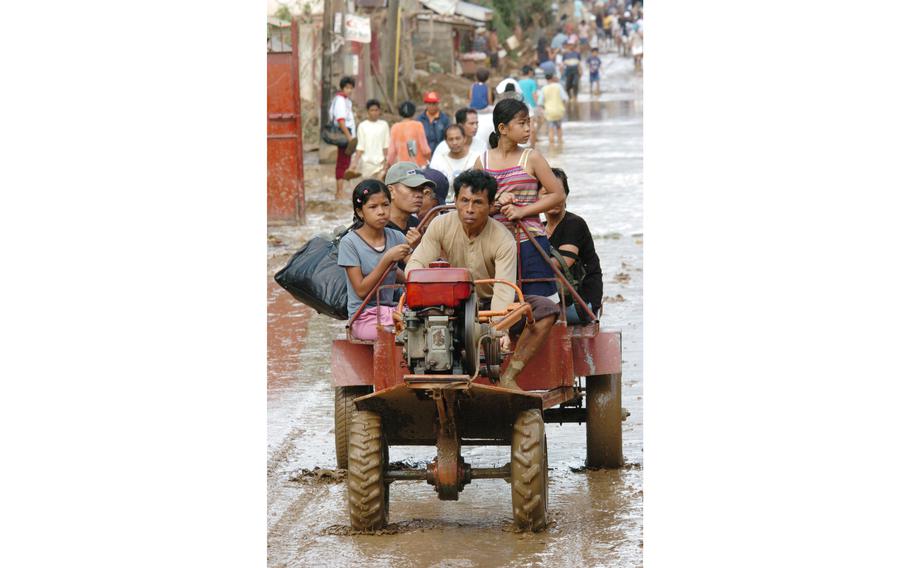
<point>414,474</point>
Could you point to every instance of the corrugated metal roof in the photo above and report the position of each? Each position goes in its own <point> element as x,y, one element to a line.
<point>460,8</point>
<point>442,7</point>
<point>473,11</point>
<point>273,21</point>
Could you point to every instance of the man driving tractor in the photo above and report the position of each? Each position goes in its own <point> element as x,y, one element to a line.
<point>487,249</point>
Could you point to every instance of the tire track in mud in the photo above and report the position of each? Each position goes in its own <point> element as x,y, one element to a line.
<point>288,532</point>
<point>301,404</point>
<point>282,453</point>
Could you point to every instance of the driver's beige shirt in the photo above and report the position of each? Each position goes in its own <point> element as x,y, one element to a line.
<point>491,254</point>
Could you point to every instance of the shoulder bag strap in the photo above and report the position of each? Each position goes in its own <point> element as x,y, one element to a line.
<point>341,235</point>
<point>566,271</point>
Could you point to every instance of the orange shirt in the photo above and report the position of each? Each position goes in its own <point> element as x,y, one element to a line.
<point>408,130</point>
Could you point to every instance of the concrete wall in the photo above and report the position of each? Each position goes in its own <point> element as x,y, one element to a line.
<point>310,53</point>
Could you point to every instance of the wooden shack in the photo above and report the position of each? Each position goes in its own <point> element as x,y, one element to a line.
<point>445,29</point>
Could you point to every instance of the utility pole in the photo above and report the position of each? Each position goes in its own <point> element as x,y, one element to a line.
<point>328,16</point>
<point>392,33</point>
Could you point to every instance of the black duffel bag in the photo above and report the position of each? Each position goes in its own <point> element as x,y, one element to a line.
<point>332,134</point>
<point>313,276</point>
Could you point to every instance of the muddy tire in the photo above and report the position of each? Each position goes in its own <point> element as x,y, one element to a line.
<point>344,409</point>
<point>367,456</point>
<point>529,471</point>
<point>603,399</point>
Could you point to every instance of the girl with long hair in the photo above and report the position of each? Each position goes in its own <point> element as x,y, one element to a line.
<point>366,252</point>
<point>519,173</point>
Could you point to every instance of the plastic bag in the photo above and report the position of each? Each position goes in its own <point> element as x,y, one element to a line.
<point>313,277</point>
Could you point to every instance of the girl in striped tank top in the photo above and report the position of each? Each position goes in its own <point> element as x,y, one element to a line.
<point>519,173</point>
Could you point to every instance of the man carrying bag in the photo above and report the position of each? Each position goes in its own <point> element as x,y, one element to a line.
<point>339,131</point>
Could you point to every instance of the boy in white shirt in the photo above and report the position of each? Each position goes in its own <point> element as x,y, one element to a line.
<point>372,144</point>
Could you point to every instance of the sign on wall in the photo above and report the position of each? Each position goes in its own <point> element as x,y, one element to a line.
<point>356,28</point>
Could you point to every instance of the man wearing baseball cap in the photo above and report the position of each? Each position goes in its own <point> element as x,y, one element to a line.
<point>406,184</point>
<point>434,121</point>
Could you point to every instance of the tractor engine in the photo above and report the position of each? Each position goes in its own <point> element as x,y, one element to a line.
<point>441,330</point>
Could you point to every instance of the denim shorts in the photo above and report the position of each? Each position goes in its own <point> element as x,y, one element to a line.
<point>535,266</point>
<point>574,318</point>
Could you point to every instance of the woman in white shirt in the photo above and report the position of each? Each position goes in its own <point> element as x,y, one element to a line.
<point>459,157</point>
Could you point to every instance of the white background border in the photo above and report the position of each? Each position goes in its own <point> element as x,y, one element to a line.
<point>133,316</point>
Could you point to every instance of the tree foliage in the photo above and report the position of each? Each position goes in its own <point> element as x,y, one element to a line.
<point>507,13</point>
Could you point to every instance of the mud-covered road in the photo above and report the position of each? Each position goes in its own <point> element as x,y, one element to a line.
<point>596,515</point>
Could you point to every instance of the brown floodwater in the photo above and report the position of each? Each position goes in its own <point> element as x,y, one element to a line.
<point>596,516</point>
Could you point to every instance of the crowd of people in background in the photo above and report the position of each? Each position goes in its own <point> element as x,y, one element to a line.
<point>606,27</point>
<point>409,167</point>
<point>548,82</point>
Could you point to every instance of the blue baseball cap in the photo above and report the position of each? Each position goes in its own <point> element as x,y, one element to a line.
<point>440,183</point>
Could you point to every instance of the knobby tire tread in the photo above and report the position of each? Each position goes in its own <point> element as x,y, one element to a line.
<point>344,408</point>
<point>367,490</point>
<point>529,471</point>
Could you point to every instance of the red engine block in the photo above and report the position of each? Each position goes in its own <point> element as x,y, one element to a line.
<point>438,287</point>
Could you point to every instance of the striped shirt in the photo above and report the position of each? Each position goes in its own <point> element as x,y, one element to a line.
<point>525,189</point>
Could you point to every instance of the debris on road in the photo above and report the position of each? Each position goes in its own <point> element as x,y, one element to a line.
<point>318,475</point>
<point>622,278</point>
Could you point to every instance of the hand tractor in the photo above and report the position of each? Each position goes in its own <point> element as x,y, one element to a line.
<point>431,380</point>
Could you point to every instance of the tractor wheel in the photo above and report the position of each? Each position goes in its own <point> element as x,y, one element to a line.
<point>604,422</point>
<point>529,471</point>
<point>344,407</point>
<point>367,456</point>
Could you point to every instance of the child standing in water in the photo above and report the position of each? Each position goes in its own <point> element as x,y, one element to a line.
<point>594,63</point>
<point>519,173</point>
<point>365,252</point>
<point>553,99</point>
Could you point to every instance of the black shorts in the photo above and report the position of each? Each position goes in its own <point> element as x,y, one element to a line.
<point>571,79</point>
